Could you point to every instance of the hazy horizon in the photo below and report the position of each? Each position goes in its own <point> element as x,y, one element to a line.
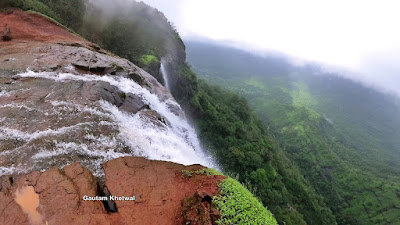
<point>357,39</point>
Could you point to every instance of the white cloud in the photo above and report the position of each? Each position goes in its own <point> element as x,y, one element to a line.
<point>354,34</point>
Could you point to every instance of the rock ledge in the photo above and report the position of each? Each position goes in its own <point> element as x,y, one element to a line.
<point>162,194</point>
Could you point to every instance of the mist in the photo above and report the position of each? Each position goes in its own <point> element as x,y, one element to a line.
<point>357,39</point>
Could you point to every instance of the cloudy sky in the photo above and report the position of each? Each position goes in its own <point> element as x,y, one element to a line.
<point>359,35</point>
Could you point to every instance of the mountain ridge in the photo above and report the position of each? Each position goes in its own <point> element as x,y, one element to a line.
<point>321,121</point>
<point>69,101</point>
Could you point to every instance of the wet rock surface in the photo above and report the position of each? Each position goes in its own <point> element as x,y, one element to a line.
<point>66,115</point>
<point>160,189</point>
<point>71,117</point>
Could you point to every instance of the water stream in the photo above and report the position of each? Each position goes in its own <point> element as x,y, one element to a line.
<point>164,74</point>
<point>104,132</point>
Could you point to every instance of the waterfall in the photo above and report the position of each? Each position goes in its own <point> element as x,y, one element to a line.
<point>95,132</point>
<point>164,73</point>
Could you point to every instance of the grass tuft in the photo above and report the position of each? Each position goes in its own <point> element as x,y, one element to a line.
<point>237,205</point>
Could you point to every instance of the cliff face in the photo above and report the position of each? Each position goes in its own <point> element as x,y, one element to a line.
<point>66,103</point>
<point>77,102</point>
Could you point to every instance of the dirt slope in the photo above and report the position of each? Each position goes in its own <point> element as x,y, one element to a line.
<point>34,27</point>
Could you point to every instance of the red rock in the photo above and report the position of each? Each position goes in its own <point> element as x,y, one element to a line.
<point>6,36</point>
<point>33,26</point>
<point>159,188</point>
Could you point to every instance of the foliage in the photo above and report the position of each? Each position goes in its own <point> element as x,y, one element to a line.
<point>239,141</point>
<point>226,124</point>
<point>205,171</point>
<point>34,5</point>
<point>186,85</point>
<point>147,60</point>
<point>70,12</point>
<point>339,133</point>
<point>187,173</point>
<point>237,205</point>
<point>132,30</point>
<point>150,63</point>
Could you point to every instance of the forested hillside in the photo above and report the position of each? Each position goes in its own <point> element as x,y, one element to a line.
<point>229,128</point>
<point>342,135</point>
<point>316,148</point>
<point>226,125</point>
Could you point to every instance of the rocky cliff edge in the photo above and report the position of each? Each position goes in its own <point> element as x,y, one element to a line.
<point>48,122</point>
<point>161,191</point>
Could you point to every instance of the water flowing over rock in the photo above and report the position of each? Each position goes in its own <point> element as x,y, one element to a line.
<point>65,100</point>
<point>89,138</point>
<point>164,74</point>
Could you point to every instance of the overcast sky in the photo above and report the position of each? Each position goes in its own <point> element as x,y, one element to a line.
<point>360,35</point>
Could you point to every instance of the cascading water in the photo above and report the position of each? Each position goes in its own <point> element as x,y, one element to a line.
<point>164,73</point>
<point>94,132</point>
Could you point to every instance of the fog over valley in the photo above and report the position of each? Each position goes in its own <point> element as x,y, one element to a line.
<point>359,39</point>
<point>205,112</point>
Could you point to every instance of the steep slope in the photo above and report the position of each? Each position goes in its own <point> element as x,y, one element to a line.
<point>64,100</point>
<point>221,125</point>
<point>341,134</point>
<point>135,31</point>
<point>223,120</point>
<point>82,101</point>
<point>243,146</point>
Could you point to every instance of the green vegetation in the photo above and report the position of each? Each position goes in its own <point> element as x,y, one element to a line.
<point>235,198</point>
<point>301,96</point>
<point>130,30</point>
<point>149,59</point>
<point>150,63</point>
<point>134,31</point>
<point>242,146</point>
<point>186,86</point>
<point>206,171</point>
<point>34,5</point>
<point>322,144</point>
<point>122,95</point>
<point>236,204</point>
<point>340,134</point>
<point>70,12</point>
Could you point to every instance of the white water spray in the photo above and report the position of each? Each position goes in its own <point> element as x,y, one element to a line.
<point>174,141</point>
<point>164,74</point>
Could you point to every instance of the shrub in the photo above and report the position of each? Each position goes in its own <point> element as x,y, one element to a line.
<point>237,205</point>
<point>33,5</point>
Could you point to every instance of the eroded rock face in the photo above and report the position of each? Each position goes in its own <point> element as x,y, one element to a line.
<point>64,101</point>
<point>159,187</point>
<point>6,35</point>
<point>79,103</point>
<point>59,196</point>
<point>198,210</point>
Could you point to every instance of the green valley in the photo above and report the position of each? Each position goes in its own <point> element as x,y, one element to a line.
<point>313,147</point>
<point>341,134</point>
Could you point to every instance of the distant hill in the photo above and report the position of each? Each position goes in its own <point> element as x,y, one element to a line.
<point>343,135</point>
